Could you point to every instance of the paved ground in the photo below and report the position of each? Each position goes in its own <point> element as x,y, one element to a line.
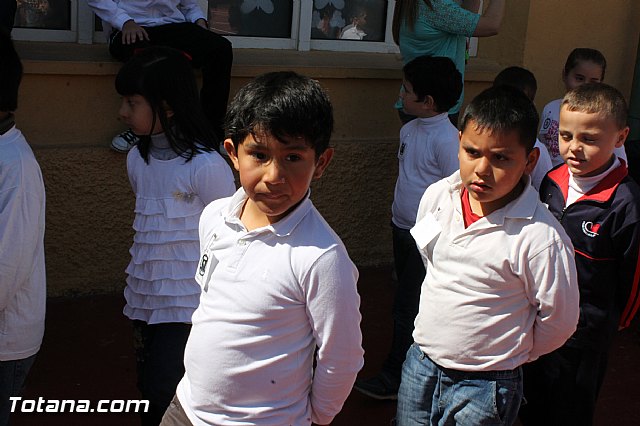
<point>87,354</point>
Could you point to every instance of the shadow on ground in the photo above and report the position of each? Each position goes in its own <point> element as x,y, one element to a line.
<point>87,355</point>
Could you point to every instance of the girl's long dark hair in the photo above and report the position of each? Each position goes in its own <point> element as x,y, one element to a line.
<point>164,77</point>
<point>406,11</point>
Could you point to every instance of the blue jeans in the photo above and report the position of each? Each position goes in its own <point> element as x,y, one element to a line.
<point>12,377</point>
<point>432,395</point>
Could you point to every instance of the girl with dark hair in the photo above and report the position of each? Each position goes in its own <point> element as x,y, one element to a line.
<point>174,172</point>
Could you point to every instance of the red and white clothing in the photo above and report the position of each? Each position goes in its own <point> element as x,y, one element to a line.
<point>270,296</point>
<point>498,293</point>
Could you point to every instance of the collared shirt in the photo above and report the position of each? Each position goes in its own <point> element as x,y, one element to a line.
<point>269,297</point>
<point>498,293</point>
<point>146,13</point>
<point>22,270</point>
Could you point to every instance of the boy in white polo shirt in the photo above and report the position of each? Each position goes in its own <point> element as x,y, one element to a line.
<point>277,282</point>
<point>501,286</point>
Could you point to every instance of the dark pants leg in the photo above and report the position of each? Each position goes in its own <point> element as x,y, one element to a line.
<point>160,364</point>
<point>12,377</point>
<point>208,50</point>
<point>7,14</point>
<point>561,388</point>
<point>411,272</point>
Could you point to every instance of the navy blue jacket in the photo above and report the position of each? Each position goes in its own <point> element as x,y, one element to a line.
<point>604,226</point>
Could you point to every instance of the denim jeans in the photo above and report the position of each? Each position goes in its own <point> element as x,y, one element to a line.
<point>12,377</point>
<point>432,395</point>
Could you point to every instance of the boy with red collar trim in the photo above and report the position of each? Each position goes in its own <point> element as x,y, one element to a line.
<point>599,207</point>
<point>501,284</point>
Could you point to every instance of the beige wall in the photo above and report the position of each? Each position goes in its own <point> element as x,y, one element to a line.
<point>557,27</point>
<point>68,111</point>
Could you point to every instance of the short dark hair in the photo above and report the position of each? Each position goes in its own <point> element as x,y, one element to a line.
<point>283,104</point>
<point>504,109</point>
<point>584,54</point>
<point>435,76</point>
<point>598,98</point>
<point>10,73</point>
<point>518,77</point>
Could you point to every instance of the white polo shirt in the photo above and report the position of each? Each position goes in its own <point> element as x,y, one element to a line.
<point>499,293</point>
<point>269,297</point>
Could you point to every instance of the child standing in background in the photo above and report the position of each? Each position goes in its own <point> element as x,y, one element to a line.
<point>428,152</point>
<point>174,172</point>
<point>23,290</point>
<point>524,80</point>
<point>583,65</point>
<point>599,206</point>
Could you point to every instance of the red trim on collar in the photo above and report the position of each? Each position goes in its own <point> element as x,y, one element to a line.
<point>467,214</point>
<point>601,192</point>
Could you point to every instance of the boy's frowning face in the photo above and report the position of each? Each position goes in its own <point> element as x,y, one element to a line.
<point>491,167</point>
<point>275,175</point>
<point>587,141</point>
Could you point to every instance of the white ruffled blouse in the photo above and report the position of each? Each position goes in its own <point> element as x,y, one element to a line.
<point>170,196</point>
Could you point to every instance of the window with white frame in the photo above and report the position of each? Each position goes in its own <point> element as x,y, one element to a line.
<point>342,25</point>
<point>347,25</point>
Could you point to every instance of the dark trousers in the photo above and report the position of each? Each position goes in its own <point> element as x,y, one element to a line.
<point>160,364</point>
<point>208,50</point>
<point>12,377</point>
<point>7,14</point>
<point>561,388</point>
<point>411,272</point>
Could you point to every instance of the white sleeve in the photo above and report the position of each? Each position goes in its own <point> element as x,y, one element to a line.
<point>213,178</point>
<point>20,230</point>
<point>333,310</point>
<point>108,11</point>
<point>552,286</point>
<point>191,10</point>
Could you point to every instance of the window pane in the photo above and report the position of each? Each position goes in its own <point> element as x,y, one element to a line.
<point>46,14</point>
<point>256,18</point>
<point>349,19</point>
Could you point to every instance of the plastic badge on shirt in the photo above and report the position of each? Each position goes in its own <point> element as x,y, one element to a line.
<point>426,230</point>
<point>206,265</point>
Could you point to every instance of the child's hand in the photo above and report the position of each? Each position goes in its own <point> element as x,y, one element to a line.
<point>132,32</point>
<point>202,23</point>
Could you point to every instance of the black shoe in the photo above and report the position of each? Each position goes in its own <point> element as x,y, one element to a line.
<point>378,387</point>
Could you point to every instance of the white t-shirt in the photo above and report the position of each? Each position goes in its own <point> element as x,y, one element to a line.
<point>499,293</point>
<point>542,166</point>
<point>428,152</point>
<point>23,290</point>
<point>270,296</point>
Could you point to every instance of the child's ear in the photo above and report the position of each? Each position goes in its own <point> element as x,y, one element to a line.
<point>429,103</point>
<point>167,109</point>
<point>622,137</point>
<point>532,160</point>
<point>323,161</point>
<point>233,155</point>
